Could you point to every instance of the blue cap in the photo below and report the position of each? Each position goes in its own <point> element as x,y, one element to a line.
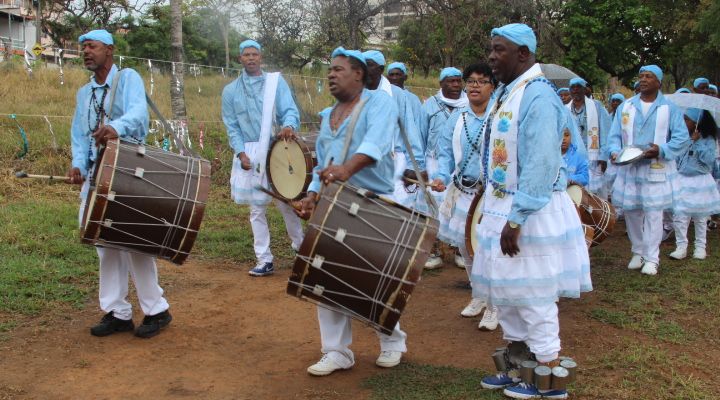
<point>249,43</point>
<point>101,35</point>
<point>693,113</point>
<point>654,69</point>
<point>563,90</point>
<point>375,56</point>
<point>713,88</point>
<point>578,81</point>
<point>520,34</point>
<point>617,96</point>
<point>700,81</point>
<point>356,54</point>
<point>683,90</point>
<point>397,65</point>
<point>448,72</point>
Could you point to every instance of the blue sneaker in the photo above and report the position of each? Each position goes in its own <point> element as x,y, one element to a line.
<point>498,381</point>
<point>526,391</point>
<point>262,270</point>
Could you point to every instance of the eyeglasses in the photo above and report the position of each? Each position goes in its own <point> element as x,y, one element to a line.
<point>473,82</point>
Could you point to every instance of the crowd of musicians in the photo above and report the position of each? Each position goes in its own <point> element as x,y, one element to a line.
<point>501,130</point>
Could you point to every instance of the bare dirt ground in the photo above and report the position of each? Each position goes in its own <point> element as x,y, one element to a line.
<point>238,337</point>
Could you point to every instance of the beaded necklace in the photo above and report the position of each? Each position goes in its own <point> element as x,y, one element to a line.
<point>98,107</point>
<point>474,148</point>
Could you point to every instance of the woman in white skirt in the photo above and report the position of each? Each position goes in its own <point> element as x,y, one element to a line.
<point>459,163</point>
<point>697,196</point>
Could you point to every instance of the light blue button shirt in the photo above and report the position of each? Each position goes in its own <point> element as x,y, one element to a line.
<point>373,136</point>
<point>542,121</point>
<point>242,104</point>
<point>699,159</point>
<point>436,114</point>
<point>576,166</point>
<point>129,114</point>
<point>644,129</point>
<point>407,117</point>
<point>420,118</point>
<point>603,122</point>
<point>470,155</point>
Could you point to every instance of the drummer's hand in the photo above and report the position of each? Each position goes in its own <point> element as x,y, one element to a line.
<point>334,173</point>
<point>509,240</point>
<point>74,176</point>
<point>244,161</point>
<point>437,185</point>
<point>603,165</point>
<point>613,156</point>
<point>695,135</point>
<point>286,133</point>
<point>652,152</point>
<point>103,134</point>
<point>307,206</point>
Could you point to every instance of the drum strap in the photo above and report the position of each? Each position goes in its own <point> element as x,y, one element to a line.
<point>351,129</point>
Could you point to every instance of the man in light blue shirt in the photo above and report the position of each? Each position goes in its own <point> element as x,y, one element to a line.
<point>645,188</point>
<point>242,113</point>
<point>97,120</point>
<point>397,75</point>
<point>367,164</point>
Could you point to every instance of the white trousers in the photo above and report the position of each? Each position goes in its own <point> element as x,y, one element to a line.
<point>645,230</point>
<point>682,223</point>
<point>261,232</point>
<point>537,326</point>
<point>115,265</point>
<point>336,337</point>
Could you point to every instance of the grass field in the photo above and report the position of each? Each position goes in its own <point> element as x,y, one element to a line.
<point>657,337</point>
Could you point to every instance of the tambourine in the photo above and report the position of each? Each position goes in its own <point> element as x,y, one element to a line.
<point>629,155</point>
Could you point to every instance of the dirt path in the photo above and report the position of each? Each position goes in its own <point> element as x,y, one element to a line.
<point>237,337</point>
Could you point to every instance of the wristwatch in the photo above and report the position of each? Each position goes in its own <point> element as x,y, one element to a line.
<point>513,225</point>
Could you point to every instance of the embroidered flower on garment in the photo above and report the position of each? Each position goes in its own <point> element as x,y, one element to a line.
<point>499,155</point>
<point>499,174</point>
<point>504,124</point>
<point>625,118</point>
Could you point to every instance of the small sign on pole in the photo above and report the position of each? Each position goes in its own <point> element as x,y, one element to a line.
<point>37,49</point>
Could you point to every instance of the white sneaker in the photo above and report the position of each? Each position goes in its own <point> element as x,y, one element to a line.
<point>636,262</point>
<point>459,261</point>
<point>388,359</point>
<point>649,268</point>
<point>325,366</point>
<point>489,321</point>
<point>679,253</point>
<point>433,262</point>
<point>474,308</point>
<point>699,254</point>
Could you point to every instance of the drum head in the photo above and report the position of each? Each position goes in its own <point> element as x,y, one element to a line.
<point>575,192</point>
<point>287,168</point>
<point>629,155</point>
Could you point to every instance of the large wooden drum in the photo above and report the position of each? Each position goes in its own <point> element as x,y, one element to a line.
<point>146,200</point>
<point>362,255</point>
<point>290,165</point>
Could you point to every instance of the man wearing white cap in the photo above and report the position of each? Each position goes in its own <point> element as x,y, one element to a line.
<point>645,188</point>
<point>251,105</point>
<point>113,105</point>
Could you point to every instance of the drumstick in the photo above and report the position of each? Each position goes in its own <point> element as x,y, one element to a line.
<point>417,182</point>
<point>23,174</point>
<point>294,204</point>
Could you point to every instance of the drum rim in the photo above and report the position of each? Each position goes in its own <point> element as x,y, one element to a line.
<point>196,215</point>
<point>104,175</point>
<point>631,160</point>
<point>309,165</point>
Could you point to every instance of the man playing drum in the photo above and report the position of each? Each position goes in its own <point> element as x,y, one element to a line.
<point>645,188</point>
<point>368,165</point>
<point>459,169</point>
<point>531,245</point>
<point>251,104</point>
<point>112,105</point>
